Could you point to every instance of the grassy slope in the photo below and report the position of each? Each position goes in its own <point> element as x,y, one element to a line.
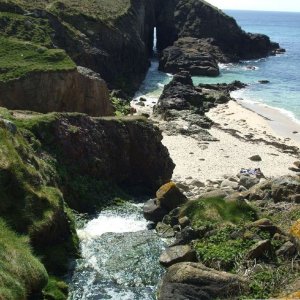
<point>100,9</point>
<point>33,206</point>
<point>20,272</point>
<point>17,58</point>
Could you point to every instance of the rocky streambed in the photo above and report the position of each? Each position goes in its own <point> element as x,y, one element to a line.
<point>119,257</point>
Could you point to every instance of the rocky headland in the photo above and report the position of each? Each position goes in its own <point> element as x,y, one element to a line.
<point>67,149</point>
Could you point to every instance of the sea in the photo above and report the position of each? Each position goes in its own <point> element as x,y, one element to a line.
<point>282,71</point>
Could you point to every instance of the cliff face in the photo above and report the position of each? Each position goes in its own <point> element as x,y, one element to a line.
<point>125,152</point>
<point>51,162</point>
<point>213,34</point>
<point>79,90</point>
<point>118,48</point>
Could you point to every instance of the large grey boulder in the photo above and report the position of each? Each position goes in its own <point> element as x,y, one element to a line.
<point>194,281</point>
<point>177,254</point>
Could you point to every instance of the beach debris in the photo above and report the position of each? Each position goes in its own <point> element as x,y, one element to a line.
<point>255,158</point>
<point>255,171</point>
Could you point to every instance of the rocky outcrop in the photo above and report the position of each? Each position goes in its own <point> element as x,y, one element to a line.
<point>208,31</point>
<point>79,90</point>
<point>114,40</point>
<point>194,281</point>
<point>127,152</point>
<point>179,94</point>
<point>188,54</point>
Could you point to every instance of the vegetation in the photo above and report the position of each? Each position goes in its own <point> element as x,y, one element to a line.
<point>26,28</point>
<point>122,107</point>
<point>100,9</point>
<point>21,273</point>
<point>18,58</point>
<point>205,212</point>
<point>222,250</point>
<point>32,205</point>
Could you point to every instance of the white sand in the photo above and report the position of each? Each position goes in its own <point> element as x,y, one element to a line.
<point>209,161</point>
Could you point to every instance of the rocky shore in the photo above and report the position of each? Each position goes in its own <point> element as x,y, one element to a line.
<point>232,209</point>
<point>67,70</point>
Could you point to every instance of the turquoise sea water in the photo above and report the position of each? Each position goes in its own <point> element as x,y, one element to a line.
<point>283,71</point>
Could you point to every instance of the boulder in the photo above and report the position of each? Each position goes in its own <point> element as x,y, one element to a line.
<point>231,184</point>
<point>164,230</point>
<point>248,181</point>
<point>153,212</point>
<point>170,197</point>
<point>194,281</point>
<point>186,235</point>
<point>288,249</point>
<point>218,193</point>
<point>266,225</point>
<point>259,249</point>
<point>176,254</point>
<point>255,158</point>
<point>191,55</point>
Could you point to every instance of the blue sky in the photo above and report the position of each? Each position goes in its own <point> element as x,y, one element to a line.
<point>271,5</point>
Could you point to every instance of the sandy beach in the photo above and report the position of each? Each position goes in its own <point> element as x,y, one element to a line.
<point>241,133</point>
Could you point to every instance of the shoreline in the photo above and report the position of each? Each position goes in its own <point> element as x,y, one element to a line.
<point>282,124</point>
<point>211,161</point>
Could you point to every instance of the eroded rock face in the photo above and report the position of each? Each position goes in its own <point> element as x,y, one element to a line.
<point>124,151</point>
<point>80,90</point>
<point>200,20</point>
<point>194,281</point>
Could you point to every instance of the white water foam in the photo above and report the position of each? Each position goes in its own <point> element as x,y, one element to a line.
<point>108,222</point>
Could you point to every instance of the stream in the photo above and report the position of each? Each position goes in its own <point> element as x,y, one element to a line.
<point>119,257</point>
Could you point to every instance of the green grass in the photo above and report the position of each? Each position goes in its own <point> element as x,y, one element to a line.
<point>100,9</point>
<point>221,250</point>
<point>35,30</point>
<point>31,203</point>
<point>20,272</point>
<point>18,58</point>
<point>55,289</point>
<point>214,211</point>
<point>122,107</point>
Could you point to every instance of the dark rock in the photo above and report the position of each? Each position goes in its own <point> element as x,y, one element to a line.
<point>266,225</point>
<point>284,187</point>
<point>263,81</point>
<point>186,235</point>
<point>255,158</point>
<point>194,281</point>
<point>177,254</point>
<point>179,94</point>
<point>170,197</point>
<point>288,249</point>
<point>221,35</point>
<point>153,212</point>
<point>188,54</point>
<point>297,164</point>
<point>259,249</point>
